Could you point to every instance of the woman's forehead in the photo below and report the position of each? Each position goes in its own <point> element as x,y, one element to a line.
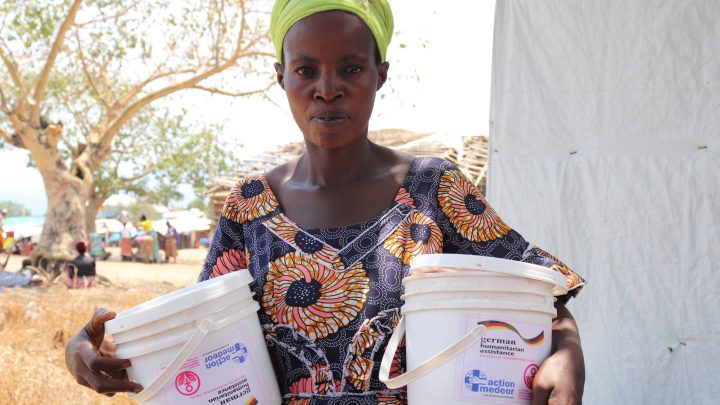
<point>328,33</point>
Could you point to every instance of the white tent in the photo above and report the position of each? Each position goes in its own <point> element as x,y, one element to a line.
<point>605,150</point>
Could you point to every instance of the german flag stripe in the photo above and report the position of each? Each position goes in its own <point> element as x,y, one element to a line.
<point>499,325</point>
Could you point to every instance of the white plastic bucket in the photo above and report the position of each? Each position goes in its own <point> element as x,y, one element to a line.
<point>198,345</point>
<point>476,328</point>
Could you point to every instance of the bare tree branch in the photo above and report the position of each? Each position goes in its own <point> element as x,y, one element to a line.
<point>3,102</point>
<point>12,69</point>
<point>89,78</point>
<point>106,80</point>
<point>140,86</point>
<point>233,94</point>
<point>109,17</point>
<point>52,56</point>
<point>130,111</point>
<point>12,139</point>
<point>5,135</point>
<point>145,172</point>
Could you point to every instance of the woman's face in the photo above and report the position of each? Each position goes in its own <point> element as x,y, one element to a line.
<point>330,75</point>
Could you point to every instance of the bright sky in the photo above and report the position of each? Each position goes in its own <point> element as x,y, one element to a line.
<point>452,94</point>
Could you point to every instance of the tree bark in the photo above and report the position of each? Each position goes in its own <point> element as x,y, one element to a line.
<point>63,228</point>
<point>94,205</point>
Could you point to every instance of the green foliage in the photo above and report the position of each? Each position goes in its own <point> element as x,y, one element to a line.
<point>201,204</point>
<point>157,152</point>
<point>139,208</point>
<point>14,209</point>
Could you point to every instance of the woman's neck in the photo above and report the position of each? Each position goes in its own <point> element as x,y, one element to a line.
<point>337,167</point>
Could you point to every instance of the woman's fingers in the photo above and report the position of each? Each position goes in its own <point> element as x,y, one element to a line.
<point>108,348</point>
<point>96,362</point>
<point>96,327</point>
<point>103,384</point>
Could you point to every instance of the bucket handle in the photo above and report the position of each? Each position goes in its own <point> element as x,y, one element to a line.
<point>202,329</point>
<point>430,364</point>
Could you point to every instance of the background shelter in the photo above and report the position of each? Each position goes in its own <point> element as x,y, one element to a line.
<point>605,149</point>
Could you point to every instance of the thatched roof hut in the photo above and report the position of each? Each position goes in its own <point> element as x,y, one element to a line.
<point>469,153</point>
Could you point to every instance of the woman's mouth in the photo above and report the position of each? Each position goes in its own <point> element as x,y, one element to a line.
<point>330,117</point>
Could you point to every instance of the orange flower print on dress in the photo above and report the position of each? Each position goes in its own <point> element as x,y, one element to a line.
<point>358,372</point>
<point>249,199</point>
<point>229,261</point>
<point>392,399</point>
<point>321,382</point>
<point>417,235</point>
<point>467,209</point>
<point>573,280</point>
<point>313,299</point>
<point>286,230</point>
<point>403,197</point>
<point>397,366</point>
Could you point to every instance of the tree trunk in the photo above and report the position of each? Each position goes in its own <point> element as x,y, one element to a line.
<point>65,218</point>
<point>94,205</point>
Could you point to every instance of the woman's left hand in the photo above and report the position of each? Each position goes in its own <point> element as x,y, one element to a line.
<point>559,381</point>
<point>561,378</point>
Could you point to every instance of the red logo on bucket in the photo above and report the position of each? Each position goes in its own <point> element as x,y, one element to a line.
<point>187,383</point>
<point>529,375</point>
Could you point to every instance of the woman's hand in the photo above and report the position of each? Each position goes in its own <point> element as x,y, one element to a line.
<point>91,359</point>
<point>561,378</point>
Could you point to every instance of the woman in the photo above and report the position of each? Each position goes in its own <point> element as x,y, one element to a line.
<point>81,270</point>
<point>170,243</point>
<point>328,236</point>
<point>148,244</point>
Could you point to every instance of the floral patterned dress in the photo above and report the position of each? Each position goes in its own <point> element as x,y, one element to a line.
<point>330,298</point>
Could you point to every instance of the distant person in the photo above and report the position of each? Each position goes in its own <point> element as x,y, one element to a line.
<point>3,214</point>
<point>97,247</point>
<point>26,247</point>
<point>149,248</point>
<point>145,224</point>
<point>126,252</point>
<point>8,245</point>
<point>171,243</point>
<point>81,270</point>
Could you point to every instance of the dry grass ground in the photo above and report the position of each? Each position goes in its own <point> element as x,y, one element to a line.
<point>35,324</point>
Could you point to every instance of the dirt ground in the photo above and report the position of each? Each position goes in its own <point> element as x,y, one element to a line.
<point>35,324</point>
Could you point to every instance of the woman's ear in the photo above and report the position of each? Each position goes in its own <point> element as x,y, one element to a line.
<point>280,73</point>
<point>382,74</point>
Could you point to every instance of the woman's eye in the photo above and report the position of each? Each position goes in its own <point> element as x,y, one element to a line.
<point>303,71</point>
<point>354,69</point>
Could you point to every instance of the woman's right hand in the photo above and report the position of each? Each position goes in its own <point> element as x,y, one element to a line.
<point>91,359</point>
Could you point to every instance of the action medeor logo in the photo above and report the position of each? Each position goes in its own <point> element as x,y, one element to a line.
<point>474,379</point>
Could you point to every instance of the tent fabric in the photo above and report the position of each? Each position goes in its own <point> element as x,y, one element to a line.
<point>605,150</point>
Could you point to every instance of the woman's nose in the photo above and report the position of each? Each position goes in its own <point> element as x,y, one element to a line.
<point>328,88</point>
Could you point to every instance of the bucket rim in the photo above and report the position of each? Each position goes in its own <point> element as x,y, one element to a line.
<point>475,263</point>
<point>178,301</point>
<point>134,349</point>
<point>487,305</point>
<point>220,304</point>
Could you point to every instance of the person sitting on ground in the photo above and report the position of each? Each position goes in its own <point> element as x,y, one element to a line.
<point>81,270</point>
<point>24,277</point>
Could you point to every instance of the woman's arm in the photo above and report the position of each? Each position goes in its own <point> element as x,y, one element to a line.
<point>561,378</point>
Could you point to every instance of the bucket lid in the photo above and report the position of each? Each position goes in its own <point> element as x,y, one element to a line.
<point>178,301</point>
<point>423,264</point>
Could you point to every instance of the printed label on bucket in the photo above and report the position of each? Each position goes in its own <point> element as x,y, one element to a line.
<point>501,366</point>
<point>219,373</point>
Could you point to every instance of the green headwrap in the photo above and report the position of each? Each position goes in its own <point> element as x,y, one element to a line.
<point>375,13</point>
